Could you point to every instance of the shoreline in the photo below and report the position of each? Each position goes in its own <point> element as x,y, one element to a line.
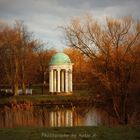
<point>46,100</point>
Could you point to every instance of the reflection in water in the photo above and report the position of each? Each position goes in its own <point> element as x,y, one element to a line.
<point>55,117</point>
<point>61,118</point>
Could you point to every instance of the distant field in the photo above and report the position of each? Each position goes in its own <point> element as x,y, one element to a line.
<point>71,133</point>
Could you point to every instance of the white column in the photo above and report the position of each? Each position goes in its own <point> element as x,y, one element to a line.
<point>51,80</point>
<point>58,80</point>
<point>54,81</point>
<point>70,81</point>
<point>62,81</point>
<point>66,81</point>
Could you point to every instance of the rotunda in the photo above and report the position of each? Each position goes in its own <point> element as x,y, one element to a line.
<point>60,73</point>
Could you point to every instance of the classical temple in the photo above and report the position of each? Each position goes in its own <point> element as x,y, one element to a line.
<point>60,74</point>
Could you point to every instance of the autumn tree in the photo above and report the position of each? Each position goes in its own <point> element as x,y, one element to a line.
<point>14,45</point>
<point>112,48</point>
<point>82,66</point>
<point>44,55</point>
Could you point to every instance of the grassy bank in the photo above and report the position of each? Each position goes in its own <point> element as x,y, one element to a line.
<point>71,133</point>
<point>76,98</point>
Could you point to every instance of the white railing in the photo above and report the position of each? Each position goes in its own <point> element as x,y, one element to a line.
<point>27,91</point>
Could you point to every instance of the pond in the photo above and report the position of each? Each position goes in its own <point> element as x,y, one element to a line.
<point>54,117</point>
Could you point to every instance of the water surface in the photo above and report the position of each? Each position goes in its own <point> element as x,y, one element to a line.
<point>54,117</point>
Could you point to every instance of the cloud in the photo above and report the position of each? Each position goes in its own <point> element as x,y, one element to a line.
<point>44,16</point>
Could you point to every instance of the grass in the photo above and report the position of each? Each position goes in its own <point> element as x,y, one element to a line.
<point>38,98</point>
<point>71,133</point>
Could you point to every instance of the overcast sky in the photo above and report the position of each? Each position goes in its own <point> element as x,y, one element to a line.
<point>43,17</point>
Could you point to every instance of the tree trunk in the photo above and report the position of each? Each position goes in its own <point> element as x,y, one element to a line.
<point>16,88</point>
<point>23,80</point>
<point>16,77</point>
<point>43,82</point>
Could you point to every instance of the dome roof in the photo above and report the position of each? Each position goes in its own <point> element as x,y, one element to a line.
<point>59,59</point>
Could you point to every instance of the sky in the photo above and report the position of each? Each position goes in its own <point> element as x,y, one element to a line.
<point>45,17</point>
